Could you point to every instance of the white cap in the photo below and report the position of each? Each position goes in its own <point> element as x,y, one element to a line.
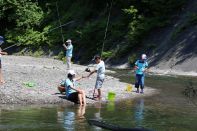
<point>144,56</point>
<point>72,72</point>
<point>68,41</point>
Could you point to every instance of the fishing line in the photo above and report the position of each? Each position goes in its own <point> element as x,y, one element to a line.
<point>106,29</point>
<point>61,26</point>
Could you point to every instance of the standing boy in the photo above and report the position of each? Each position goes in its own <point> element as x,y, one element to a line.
<point>100,69</point>
<point>140,69</point>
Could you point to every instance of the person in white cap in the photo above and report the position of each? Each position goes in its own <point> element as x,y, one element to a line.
<point>69,50</point>
<point>1,53</point>
<point>140,69</point>
<point>73,93</point>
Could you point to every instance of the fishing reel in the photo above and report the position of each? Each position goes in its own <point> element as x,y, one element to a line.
<point>87,69</point>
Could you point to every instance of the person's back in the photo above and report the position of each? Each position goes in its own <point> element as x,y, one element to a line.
<point>68,85</point>
<point>69,51</point>
<point>100,70</point>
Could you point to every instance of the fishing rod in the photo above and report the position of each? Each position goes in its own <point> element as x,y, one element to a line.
<point>106,29</point>
<point>61,25</point>
<point>60,22</point>
<point>10,46</point>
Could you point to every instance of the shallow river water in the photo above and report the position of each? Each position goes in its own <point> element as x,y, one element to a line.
<point>170,110</point>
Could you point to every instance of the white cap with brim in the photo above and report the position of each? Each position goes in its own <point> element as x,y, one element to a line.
<point>68,41</point>
<point>144,56</point>
<point>72,72</point>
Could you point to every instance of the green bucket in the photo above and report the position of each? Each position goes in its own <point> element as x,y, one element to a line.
<point>111,96</point>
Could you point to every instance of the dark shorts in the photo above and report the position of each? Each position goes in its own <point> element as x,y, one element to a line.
<point>73,97</point>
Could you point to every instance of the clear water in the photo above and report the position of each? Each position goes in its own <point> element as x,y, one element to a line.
<point>168,111</point>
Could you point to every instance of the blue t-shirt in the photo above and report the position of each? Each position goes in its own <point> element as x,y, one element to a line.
<point>69,51</point>
<point>68,84</point>
<point>141,64</point>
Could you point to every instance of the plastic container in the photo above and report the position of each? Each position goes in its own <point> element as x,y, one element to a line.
<point>111,96</point>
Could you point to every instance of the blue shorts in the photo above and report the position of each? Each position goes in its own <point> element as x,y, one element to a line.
<point>99,83</point>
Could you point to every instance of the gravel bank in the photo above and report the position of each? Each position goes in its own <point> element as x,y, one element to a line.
<point>46,74</point>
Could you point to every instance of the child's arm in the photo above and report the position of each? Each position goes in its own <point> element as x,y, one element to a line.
<point>79,78</point>
<point>92,72</point>
<point>3,53</point>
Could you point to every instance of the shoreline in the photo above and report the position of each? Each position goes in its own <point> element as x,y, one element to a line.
<point>46,74</point>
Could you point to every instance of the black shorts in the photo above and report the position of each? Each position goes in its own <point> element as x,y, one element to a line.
<point>73,97</point>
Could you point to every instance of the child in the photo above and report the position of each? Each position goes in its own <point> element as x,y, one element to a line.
<point>140,69</point>
<point>1,53</point>
<point>100,69</point>
<point>72,93</point>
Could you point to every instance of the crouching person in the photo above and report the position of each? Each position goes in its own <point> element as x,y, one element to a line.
<point>73,94</point>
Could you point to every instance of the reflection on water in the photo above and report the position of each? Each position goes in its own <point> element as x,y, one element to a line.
<point>70,118</point>
<point>139,112</point>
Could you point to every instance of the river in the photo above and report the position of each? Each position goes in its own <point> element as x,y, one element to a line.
<point>170,110</point>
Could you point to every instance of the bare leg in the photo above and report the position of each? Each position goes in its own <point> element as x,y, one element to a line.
<point>84,97</point>
<point>1,77</point>
<point>68,61</point>
<point>99,93</point>
<point>93,93</point>
<point>80,98</point>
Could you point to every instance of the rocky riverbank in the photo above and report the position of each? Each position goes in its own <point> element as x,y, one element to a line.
<point>34,81</point>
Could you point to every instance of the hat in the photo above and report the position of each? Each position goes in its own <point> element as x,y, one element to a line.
<point>96,56</point>
<point>68,41</point>
<point>144,56</point>
<point>72,72</point>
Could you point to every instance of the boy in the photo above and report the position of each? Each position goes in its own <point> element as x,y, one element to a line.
<point>100,69</point>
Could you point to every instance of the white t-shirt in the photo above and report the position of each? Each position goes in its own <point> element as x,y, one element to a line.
<point>100,67</point>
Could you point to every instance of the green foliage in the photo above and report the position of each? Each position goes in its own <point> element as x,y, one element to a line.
<point>193,19</point>
<point>132,59</point>
<point>107,54</point>
<point>30,23</point>
<point>24,17</point>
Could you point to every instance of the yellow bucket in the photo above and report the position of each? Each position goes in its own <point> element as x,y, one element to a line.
<point>111,96</point>
<point>129,88</point>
